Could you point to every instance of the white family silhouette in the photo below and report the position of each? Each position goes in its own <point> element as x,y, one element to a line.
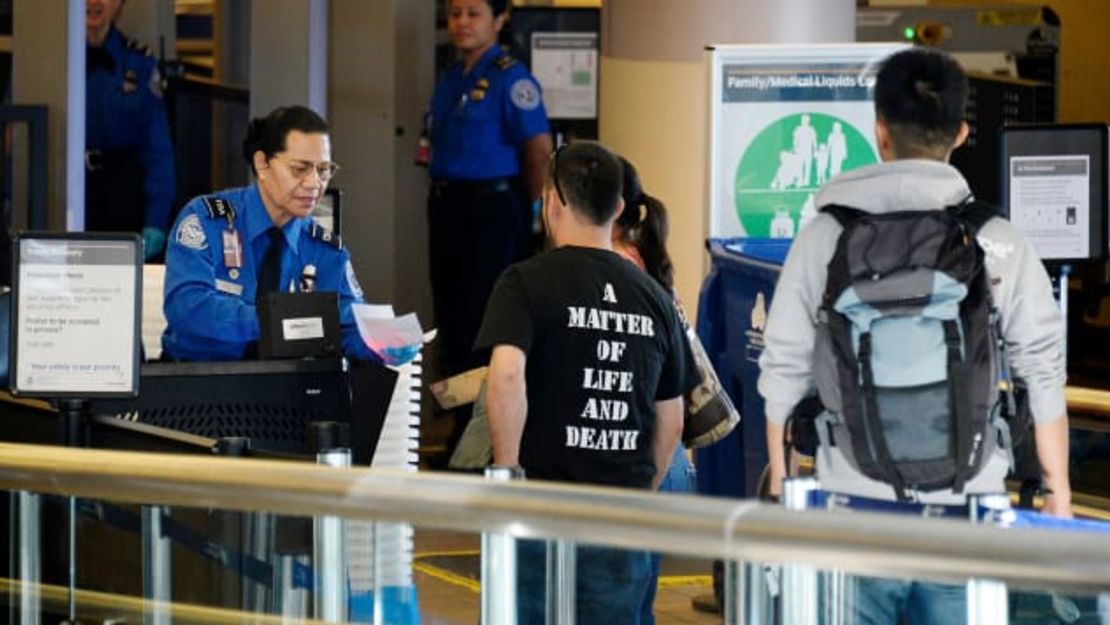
<point>810,161</point>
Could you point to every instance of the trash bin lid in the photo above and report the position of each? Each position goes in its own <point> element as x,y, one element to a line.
<point>767,250</point>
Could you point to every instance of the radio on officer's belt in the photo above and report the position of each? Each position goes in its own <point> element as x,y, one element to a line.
<point>298,325</point>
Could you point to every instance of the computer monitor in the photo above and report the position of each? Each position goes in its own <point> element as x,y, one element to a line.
<point>1055,189</point>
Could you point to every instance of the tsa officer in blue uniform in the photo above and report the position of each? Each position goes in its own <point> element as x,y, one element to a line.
<point>490,143</point>
<point>129,166</point>
<point>229,247</point>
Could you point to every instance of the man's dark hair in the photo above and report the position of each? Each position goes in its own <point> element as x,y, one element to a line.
<point>587,177</point>
<point>268,133</point>
<point>921,95</point>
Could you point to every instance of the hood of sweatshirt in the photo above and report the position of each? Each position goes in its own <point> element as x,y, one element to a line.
<point>910,184</point>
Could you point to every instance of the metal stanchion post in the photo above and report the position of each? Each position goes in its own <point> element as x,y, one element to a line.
<point>799,583</point>
<point>157,568</point>
<point>737,582</point>
<point>329,541</point>
<point>987,600</point>
<point>290,601</point>
<point>499,565</point>
<point>258,541</point>
<point>561,579</point>
<point>26,553</point>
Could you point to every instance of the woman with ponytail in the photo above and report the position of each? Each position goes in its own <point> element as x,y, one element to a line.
<point>640,235</point>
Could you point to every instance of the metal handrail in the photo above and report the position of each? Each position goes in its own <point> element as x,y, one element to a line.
<point>695,526</point>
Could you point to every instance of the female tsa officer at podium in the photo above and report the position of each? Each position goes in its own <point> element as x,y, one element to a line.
<point>486,142</point>
<point>228,248</point>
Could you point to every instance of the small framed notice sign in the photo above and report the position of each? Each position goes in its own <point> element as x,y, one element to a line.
<point>1055,188</point>
<point>76,307</point>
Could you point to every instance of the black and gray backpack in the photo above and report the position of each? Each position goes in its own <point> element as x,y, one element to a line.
<point>908,358</point>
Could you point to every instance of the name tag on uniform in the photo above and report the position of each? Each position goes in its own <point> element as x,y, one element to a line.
<point>224,286</point>
<point>303,328</point>
<point>233,252</point>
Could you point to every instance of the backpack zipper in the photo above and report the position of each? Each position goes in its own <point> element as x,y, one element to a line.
<point>976,442</point>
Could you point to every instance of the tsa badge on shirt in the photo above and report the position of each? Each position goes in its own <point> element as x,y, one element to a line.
<point>155,83</point>
<point>191,234</point>
<point>525,94</point>
<point>352,281</point>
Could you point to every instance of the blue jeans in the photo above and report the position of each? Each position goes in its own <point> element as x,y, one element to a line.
<point>609,584</point>
<point>887,601</point>
<point>680,478</point>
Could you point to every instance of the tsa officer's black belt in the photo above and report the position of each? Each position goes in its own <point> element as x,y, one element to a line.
<point>488,186</point>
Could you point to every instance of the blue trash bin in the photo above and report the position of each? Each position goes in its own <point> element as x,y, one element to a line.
<point>732,312</point>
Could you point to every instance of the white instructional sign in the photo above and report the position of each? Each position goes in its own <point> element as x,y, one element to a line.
<point>565,64</point>
<point>784,119</point>
<point>1050,202</point>
<point>77,302</point>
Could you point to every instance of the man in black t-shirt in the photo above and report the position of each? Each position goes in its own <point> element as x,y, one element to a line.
<point>587,373</point>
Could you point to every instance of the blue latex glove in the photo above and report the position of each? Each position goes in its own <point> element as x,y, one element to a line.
<point>154,241</point>
<point>396,356</point>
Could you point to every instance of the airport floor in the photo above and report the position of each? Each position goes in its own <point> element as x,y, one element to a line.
<point>446,571</point>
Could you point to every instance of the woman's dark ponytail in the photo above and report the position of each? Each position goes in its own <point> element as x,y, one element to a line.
<point>650,238</point>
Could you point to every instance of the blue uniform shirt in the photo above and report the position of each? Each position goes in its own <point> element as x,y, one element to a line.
<point>125,111</point>
<point>480,121</point>
<point>210,306</point>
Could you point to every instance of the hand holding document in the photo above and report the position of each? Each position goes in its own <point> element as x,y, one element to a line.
<point>396,340</point>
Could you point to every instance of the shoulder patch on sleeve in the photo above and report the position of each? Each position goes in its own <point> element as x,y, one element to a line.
<point>525,94</point>
<point>190,233</point>
<point>324,235</point>
<point>219,208</point>
<point>505,62</point>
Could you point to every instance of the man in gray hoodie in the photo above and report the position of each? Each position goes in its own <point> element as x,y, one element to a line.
<point>920,97</point>
<point>919,102</point>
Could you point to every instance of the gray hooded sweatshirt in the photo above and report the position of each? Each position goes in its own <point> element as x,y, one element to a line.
<point>1032,325</point>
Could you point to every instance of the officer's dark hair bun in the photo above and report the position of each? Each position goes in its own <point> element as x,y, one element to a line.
<point>268,133</point>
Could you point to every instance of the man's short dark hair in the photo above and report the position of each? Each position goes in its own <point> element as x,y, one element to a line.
<point>587,176</point>
<point>921,95</point>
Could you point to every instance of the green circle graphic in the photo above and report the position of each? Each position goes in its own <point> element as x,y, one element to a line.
<point>771,181</point>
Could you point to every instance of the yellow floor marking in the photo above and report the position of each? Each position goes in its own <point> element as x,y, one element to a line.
<point>446,576</point>
<point>447,554</point>
<point>473,585</point>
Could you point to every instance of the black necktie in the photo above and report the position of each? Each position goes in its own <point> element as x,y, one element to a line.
<point>98,58</point>
<point>269,272</point>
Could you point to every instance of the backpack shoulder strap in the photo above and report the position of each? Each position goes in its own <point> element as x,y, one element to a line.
<point>975,213</point>
<point>844,215</point>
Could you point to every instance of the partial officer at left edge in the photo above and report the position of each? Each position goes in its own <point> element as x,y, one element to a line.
<point>129,162</point>
<point>216,258</point>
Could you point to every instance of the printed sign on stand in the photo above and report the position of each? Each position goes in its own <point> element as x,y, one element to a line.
<point>1055,188</point>
<point>75,315</point>
<point>566,65</point>
<point>783,121</point>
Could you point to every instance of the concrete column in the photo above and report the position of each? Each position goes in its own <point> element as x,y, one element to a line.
<point>151,22</point>
<point>380,81</point>
<point>289,52</point>
<point>232,51</point>
<point>653,94</point>
<point>48,67</point>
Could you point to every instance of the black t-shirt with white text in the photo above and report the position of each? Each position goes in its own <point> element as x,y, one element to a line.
<point>603,344</point>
